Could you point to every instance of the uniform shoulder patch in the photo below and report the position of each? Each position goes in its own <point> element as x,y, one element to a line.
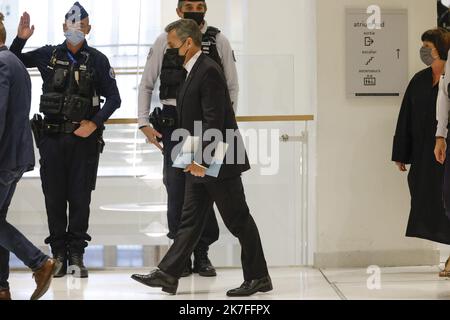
<point>112,73</point>
<point>150,53</point>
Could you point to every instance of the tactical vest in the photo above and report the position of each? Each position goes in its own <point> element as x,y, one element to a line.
<point>70,93</point>
<point>173,74</point>
<point>209,45</point>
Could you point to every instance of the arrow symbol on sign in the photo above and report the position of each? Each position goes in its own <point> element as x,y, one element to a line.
<point>398,53</point>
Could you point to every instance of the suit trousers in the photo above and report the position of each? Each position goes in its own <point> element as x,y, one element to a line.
<point>230,199</point>
<point>174,180</point>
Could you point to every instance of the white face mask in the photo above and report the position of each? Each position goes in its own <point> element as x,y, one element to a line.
<point>74,36</point>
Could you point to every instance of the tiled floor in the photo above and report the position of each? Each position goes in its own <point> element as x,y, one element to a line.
<point>290,284</point>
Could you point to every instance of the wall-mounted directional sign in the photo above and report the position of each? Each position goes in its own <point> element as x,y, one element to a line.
<point>377,53</point>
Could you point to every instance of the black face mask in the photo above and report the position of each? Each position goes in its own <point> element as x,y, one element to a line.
<point>174,53</point>
<point>198,17</point>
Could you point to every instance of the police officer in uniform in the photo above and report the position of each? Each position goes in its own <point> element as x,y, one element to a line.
<point>70,136</point>
<point>164,63</point>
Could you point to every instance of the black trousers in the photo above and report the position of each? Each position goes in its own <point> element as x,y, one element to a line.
<point>229,197</point>
<point>68,173</point>
<point>174,180</point>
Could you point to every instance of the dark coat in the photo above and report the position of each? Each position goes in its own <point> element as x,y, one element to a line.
<point>16,141</point>
<point>414,143</point>
<point>205,97</point>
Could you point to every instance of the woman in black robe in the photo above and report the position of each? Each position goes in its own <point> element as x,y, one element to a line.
<point>414,143</point>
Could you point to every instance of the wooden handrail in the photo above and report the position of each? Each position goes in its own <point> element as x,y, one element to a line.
<point>118,73</point>
<point>293,118</point>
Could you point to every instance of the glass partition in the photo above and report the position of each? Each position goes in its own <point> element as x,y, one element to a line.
<point>128,213</point>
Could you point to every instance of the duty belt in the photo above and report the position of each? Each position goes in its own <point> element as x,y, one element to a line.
<point>65,127</point>
<point>167,121</point>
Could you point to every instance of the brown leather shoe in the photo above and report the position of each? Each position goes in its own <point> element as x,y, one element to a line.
<point>43,278</point>
<point>446,272</point>
<point>5,295</point>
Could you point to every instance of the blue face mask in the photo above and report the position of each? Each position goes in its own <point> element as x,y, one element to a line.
<point>74,37</point>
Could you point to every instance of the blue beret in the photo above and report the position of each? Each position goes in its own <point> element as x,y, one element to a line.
<point>77,12</point>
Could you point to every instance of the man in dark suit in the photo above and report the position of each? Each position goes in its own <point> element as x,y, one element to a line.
<point>16,158</point>
<point>204,100</point>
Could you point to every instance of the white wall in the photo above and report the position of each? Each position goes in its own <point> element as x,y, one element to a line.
<point>286,28</point>
<point>362,200</point>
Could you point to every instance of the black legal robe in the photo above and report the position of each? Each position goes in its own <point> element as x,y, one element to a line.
<point>414,144</point>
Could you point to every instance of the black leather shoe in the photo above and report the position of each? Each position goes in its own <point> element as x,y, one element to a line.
<point>158,279</point>
<point>76,266</point>
<point>61,257</point>
<point>187,270</point>
<point>202,264</point>
<point>249,288</point>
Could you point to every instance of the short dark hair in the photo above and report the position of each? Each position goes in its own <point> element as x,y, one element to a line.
<point>186,28</point>
<point>181,3</point>
<point>440,37</point>
<point>2,29</point>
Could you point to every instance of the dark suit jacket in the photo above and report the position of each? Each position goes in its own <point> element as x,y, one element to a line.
<point>205,97</point>
<point>16,141</point>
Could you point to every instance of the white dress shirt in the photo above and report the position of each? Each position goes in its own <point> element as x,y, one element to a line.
<point>190,64</point>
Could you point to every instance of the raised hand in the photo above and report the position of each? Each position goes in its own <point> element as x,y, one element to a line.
<point>25,31</point>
